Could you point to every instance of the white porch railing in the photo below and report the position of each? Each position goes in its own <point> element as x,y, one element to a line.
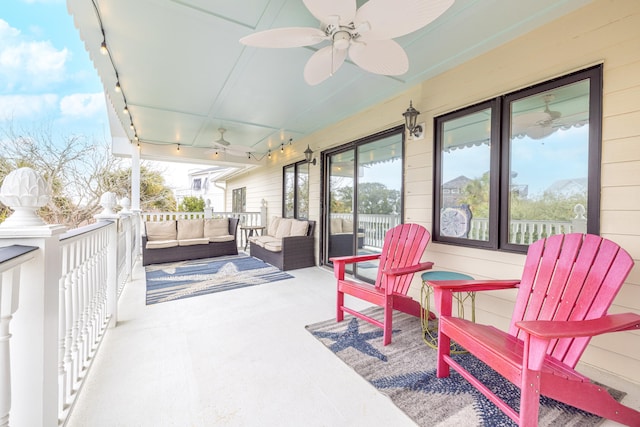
<point>58,296</point>
<point>374,226</point>
<point>525,232</point>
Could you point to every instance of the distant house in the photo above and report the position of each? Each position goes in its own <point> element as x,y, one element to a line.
<point>453,191</point>
<point>203,183</point>
<point>568,187</point>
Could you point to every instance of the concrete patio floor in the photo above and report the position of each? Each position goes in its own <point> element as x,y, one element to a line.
<point>234,358</point>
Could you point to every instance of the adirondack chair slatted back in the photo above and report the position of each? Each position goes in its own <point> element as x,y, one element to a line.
<point>570,277</point>
<point>403,246</point>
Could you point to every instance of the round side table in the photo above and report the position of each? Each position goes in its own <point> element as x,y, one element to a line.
<point>430,327</point>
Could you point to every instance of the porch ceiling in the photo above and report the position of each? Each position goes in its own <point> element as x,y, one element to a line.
<point>184,73</point>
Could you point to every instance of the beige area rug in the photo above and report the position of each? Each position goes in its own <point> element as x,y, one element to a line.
<point>405,371</point>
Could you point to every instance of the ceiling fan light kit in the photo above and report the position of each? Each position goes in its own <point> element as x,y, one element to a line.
<point>364,34</point>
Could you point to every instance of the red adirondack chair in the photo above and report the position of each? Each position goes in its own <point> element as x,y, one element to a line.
<point>400,258</point>
<point>569,282</point>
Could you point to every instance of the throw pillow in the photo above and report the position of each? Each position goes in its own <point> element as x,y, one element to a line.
<point>161,230</point>
<point>299,228</point>
<point>335,226</point>
<point>273,226</point>
<point>216,227</point>
<point>190,229</point>
<point>284,228</point>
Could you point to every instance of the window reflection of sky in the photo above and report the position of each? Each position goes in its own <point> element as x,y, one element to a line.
<point>539,163</point>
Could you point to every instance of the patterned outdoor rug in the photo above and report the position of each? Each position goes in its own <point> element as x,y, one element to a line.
<point>405,370</point>
<point>172,281</point>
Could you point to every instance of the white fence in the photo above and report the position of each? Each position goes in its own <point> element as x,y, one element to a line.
<point>74,277</point>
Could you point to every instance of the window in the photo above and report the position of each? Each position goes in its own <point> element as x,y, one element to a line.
<point>196,185</point>
<point>239,200</point>
<point>522,166</point>
<point>296,190</point>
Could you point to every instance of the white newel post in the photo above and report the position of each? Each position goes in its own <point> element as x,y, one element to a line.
<point>127,215</point>
<point>208,209</point>
<point>108,202</point>
<point>263,213</point>
<point>34,328</point>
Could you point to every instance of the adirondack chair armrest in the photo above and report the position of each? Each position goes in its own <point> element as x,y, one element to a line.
<point>339,263</point>
<point>550,329</point>
<point>409,269</point>
<point>355,258</point>
<point>473,285</point>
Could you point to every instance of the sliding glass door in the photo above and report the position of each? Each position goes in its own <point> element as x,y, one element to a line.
<point>363,198</point>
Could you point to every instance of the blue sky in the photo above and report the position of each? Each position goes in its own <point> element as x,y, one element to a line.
<point>46,77</point>
<point>45,72</point>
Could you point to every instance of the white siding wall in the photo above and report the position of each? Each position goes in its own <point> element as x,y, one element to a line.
<point>606,31</point>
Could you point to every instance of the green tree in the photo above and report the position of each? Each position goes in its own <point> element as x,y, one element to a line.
<point>376,198</point>
<point>476,195</point>
<point>155,196</point>
<point>77,171</point>
<point>191,204</point>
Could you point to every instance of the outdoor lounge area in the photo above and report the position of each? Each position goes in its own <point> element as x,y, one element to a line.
<point>513,123</point>
<point>230,359</point>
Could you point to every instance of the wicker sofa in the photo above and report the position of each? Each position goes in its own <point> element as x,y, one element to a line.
<point>287,244</point>
<point>341,237</point>
<point>185,239</point>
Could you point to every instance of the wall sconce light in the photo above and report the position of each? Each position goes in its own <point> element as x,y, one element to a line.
<point>308,154</point>
<point>410,119</point>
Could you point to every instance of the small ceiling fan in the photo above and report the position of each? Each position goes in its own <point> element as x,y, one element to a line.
<point>222,145</point>
<point>365,34</point>
<point>538,124</point>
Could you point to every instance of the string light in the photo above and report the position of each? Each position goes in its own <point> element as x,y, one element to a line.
<point>178,147</point>
<point>269,155</point>
<point>103,47</point>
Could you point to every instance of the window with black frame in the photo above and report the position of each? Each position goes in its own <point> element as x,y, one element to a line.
<point>522,166</point>
<point>239,199</point>
<point>296,190</point>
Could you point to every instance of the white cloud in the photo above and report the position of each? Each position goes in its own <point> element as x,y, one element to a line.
<point>26,106</point>
<point>82,105</point>
<point>28,64</point>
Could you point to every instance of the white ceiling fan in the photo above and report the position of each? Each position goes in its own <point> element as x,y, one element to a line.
<point>222,145</point>
<point>364,34</point>
<point>537,124</point>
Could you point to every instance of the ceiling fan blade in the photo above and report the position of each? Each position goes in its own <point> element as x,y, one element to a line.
<point>319,66</point>
<point>380,57</point>
<point>326,10</point>
<point>388,19</point>
<point>285,37</point>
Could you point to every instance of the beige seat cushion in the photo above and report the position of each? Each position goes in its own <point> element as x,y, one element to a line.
<point>225,238</point>
<point>191,242</point>
<point>216,227</point>
<point>273,226</point>
<point>262,240</point>
<point>161,230</point>
<point>335,226</point>
<point>273,246</point>
<point>190,229</point>
<point>299,228</point>
<point>347,226</point>
<point>284,228</point>
<point>160,244</point>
